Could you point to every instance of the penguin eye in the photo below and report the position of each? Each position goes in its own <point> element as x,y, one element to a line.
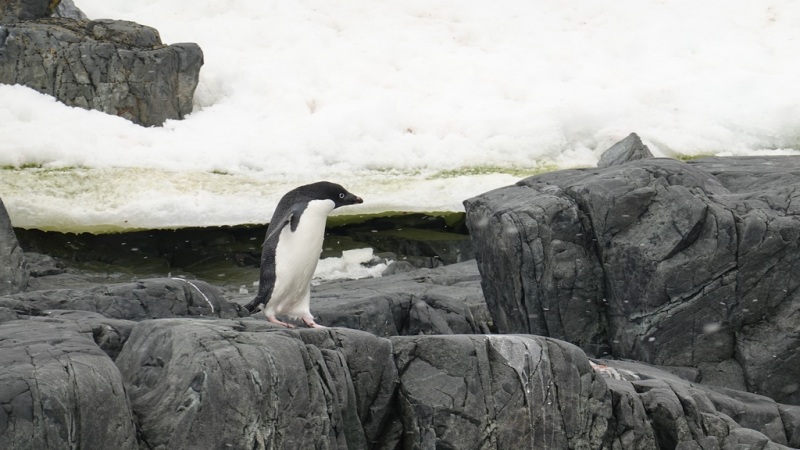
<point>341,195</point>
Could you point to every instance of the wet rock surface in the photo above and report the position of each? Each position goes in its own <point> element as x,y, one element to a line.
<point>13,269</point>
<point>118,67</point>
<point>138,300</point>
<point>656,260</point>
<point>629,149</point>
<point>445,300</point>
<point>59,390</point>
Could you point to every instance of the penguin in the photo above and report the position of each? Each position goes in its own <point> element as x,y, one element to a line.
<point>292,247</point>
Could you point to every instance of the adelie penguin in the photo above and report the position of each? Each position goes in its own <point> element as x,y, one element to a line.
<point>292,248</point>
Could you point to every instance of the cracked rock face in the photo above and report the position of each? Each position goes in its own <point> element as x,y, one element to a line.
<point>445,300</point>
<point>138,300</point>
<point>13,270</point>
<point>114,66</point>
<point>499,392</point>
<point>59,390</point>
<point>657,260</point>
<point>252,384</point>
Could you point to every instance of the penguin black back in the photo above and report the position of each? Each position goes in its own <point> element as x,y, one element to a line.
<point>289,211</point>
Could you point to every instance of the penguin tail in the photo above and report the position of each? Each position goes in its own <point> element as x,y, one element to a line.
<point>252,307</point>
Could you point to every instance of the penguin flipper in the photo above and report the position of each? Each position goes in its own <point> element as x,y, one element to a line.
<point>291,216</point>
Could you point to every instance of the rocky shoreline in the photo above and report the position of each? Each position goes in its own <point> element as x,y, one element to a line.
<point>608,308</point>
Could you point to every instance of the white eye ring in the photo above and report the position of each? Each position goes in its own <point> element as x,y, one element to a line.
<point>341,195</point>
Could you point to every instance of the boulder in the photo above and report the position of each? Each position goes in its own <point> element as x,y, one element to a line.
<point>59,390</point>
<point>67,8</point>
<point>687,415</point>
<point>138,300</point>
<point>629,149</point>
<point>498,392</point>
<point>656,260</point>
<point>16,10</point>
<point>114,66</point>
<point>251,384</point>
<point>445,300</point>
<point>13,270</point>
<point>448,247</point>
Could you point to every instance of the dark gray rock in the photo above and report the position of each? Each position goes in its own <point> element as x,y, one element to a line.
<point>42,265</point>
<point>251,384</point>
<point>540,271</point>
<point>138,300</point>
<point>109,334</point>
<point>629,426</point>
<point>691,415</point>
<point>16,10</point>
<point>745,439</point>
<point>13,270</point>
<point>67,8</point>
<point>58,390</point>
<point>629,149</point>
<point>790,415</point>
<point>445,300</point>
<point>450,248</point>
<point>117,67</point>
<point>498,392</point>
<point>677,264</point>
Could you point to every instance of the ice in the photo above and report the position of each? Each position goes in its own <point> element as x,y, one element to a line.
<point>349,266</point>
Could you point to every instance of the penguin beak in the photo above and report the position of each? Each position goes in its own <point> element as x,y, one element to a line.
<point>358,200</point>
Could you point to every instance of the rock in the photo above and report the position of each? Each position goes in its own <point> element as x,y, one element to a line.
<point>58,390</point>
<point>117,67</point>
<point>252,384</point>
<point>498,392</point>
<point>67,8</point>
<point>446,300</point>
<point>629,149</point>
<point>727,373</point>
<point>109,334</point>
<point>677,264</point>
<point>13,270</point>
<point>450,248</point>
<point>139,300</point>
<point>689,415</point>
<point>628,426</point>
<point>540,273</point>
<point>16,10</point>
<point>42,265</point>
<point>743,438</point>
<point>790,415</point>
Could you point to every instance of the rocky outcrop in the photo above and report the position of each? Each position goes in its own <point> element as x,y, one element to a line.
<point>16,10</point>
<point>498,392</point>
<point>137,300</point>
<point>13,270</point>
<point>629,149</point>
<point>114,66</point>
<point>252,384</point>
<point>656,260</point>
<point>59,390</point>
<point>246,383</point>
<point>445,300</point>
<point>682,414</point>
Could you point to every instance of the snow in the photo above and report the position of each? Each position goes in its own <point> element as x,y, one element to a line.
<point>412,105</point>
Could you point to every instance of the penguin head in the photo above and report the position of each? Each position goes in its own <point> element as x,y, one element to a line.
<point>340,196</point>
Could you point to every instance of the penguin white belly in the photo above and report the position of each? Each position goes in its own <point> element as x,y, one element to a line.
<point>296,257</point>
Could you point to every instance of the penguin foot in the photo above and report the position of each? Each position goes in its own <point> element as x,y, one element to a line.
<point>309,321</point>
<point>275,320</point>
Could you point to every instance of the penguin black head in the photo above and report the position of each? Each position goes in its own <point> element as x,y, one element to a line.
<point>325,190</point>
